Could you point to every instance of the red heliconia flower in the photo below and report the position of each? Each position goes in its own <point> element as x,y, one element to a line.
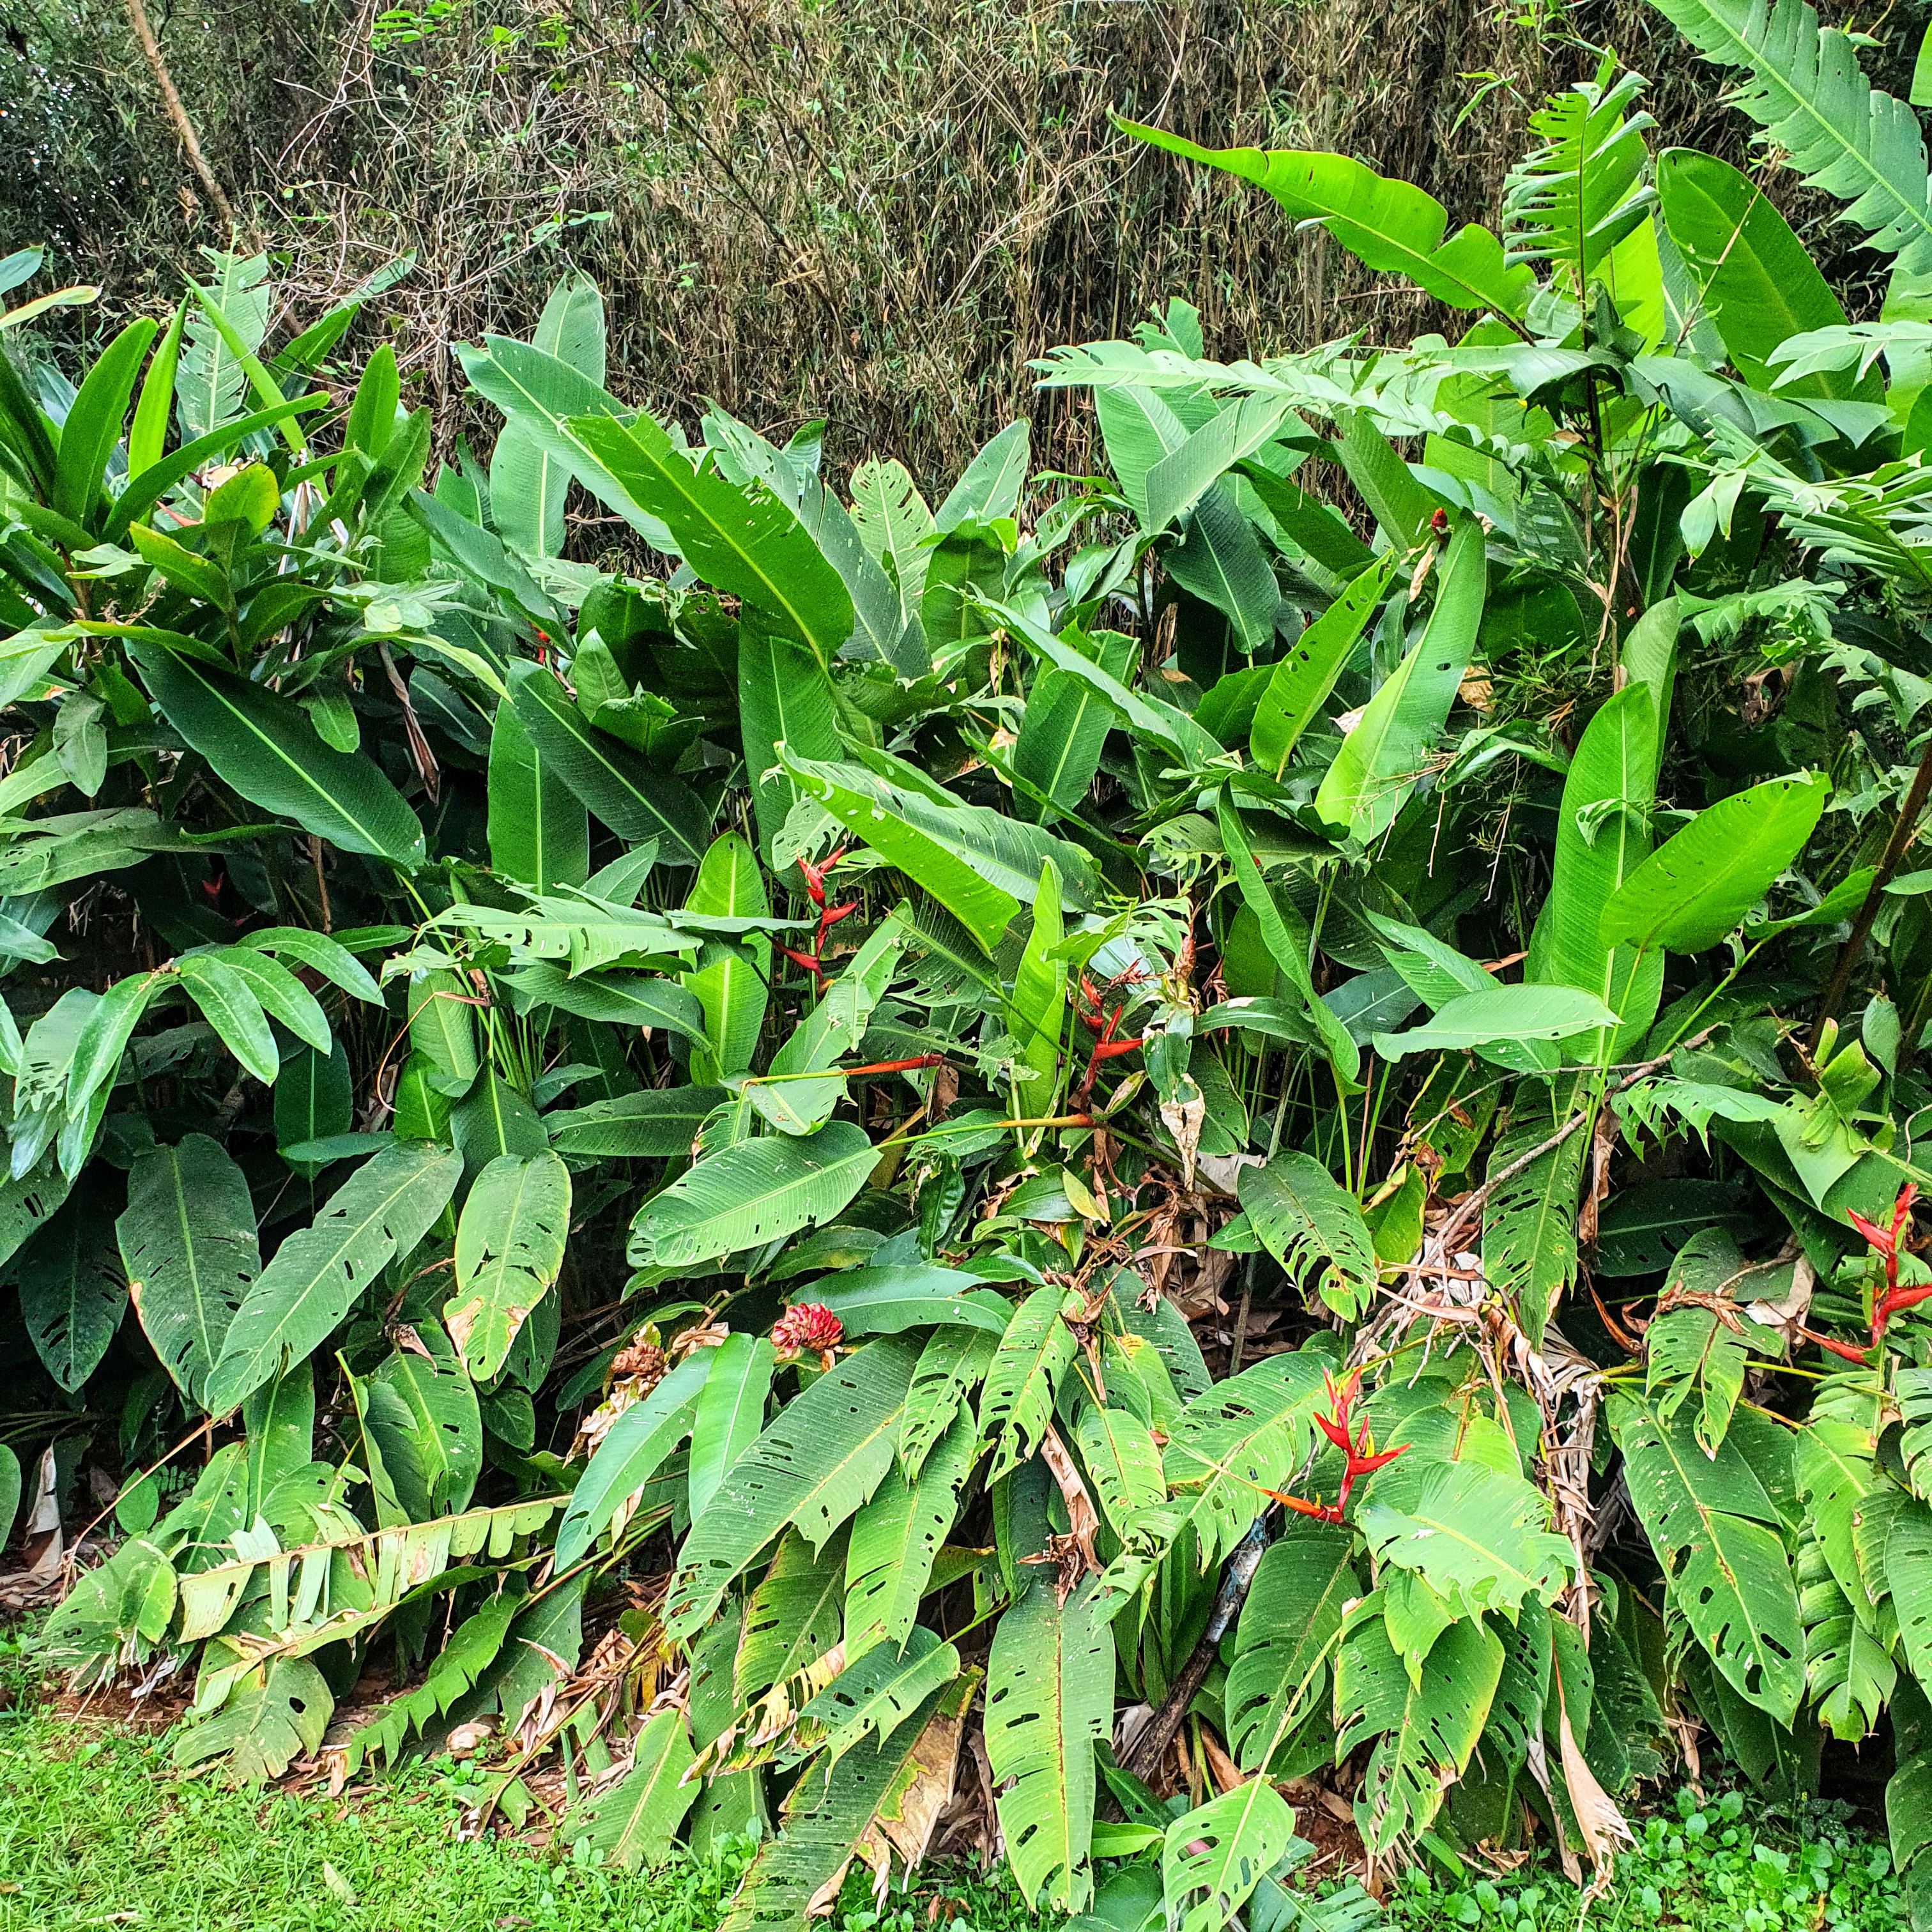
<point>1889,1243</point>
<point>810,1328</point>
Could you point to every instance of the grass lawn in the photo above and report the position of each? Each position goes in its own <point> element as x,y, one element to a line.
<point>97,1829</point>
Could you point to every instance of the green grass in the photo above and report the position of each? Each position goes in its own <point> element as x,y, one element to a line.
<point>96,1829</point>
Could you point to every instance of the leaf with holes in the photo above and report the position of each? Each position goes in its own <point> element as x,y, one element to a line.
<point>1212,1857</point>
<point>895,1538</point>
<point>1307,1220</point>
<point>1016,1403</point>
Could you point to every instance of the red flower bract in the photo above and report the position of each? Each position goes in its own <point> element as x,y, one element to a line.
<point>810,1328</point>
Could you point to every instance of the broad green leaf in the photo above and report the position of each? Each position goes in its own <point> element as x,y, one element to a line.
<point>1290,954</point>
<point>493,1119</point>
<point>319,1272</point>
<point>547,399</point>
<point>1283,1643</point>
<point>228,1003</point>
<point>635,1822</point>
<point>730,1415</point>
<point>793,1618</point>
<point>990,486</point>
<point>322,955</point>
<point>657,1124</point>
<point>1213,1857</point>
<point>1394,227</point>
<point>1180,479</point>
<point>72,1295</point>
<point>1425,1733</point>
<point>265,1727</point>
<point>1240,1437</point>
<point>887,1300</point>
<point>539,834</point>
<point>876,1693</point>
<point>314,1101</point>
<point>187,1242</point>
<point>1529,1224</point>
<point>1758,283</point>
<point>1223,564</point>
<point>986,910</point>
<point>1049,1700</point>
<point>94,420</point>
<point>1035,1350</point>
<point>1123,1463</point>
<point>1036,1013</point>
<point>1479,1538</point>
<point>951,1365</point>
<point>1500,1014</point>
<point>633,1450</point>
<point>1602,835</point>
<point>1308,1221</point>
<point>509,1251</point>
<point>732,981</point>
<point>784,699</point>
<point>759,1191</point>
<point>621,999</point>
<point>1697,887</point>
<point>1381,759</point>
<point>427,1422</point>
<point>745,543</point>
<point>263,746</point>
<point>816,1463</point>
<point>895,1536</point>
<point>1064,730</point>
<point>1308,669</point>
<point>1713,1529</point>
<point>635,801</point>
<point>276,991</point>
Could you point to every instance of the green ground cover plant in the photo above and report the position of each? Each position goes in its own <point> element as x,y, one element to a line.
<point>1003,1175</point>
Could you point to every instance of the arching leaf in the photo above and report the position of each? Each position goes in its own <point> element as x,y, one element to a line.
<point>509,1251</point>
<point>1307,1220</point>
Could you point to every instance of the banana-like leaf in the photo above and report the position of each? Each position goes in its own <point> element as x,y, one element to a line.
<point>72,1297</point>
<point>529,481</point>
<point>751,546</point>
<point>1602,835</point>
<point>813,1467</point>
<point>1479,1538</point>
<point>1049,1701</point>
<point>264,745</point>
<point>1426,1732</point>
<point>320,1271</point>
<point>1394,227</point>
<point>539,832</point>
<point>785,699</point>
<point>635,1822</point>
<point>187,1242</point>
<point>1246,1434</point>
<point>1307,1220</point>
<point>826,1817</point>
<point>1806,91</point>
<point>1064,730</point>
<point>1223,564</point>
<point>730,1413</point>
<point>1381,759</point>
<point>425,1420</point>
<point>1759,283</point>
<point>1713,1527</point>
<point>951,1365</point>
<point>876,1693</point>
<point>1284,1642</point>
<point>920,1294</point>
<point>265,1728</point>
<point>1306,674</point>
<point>633,1450</point>
<point>635,801</point>
<point>792,1618</point>
<point>657,1124</point>
<point>509,1251</point>
<point>1289,952</point>
<point>895,1538</point>
<point>1529,1226</point>
<point>1212,1857</point>
<point>1501,1015</point>
<point>1180,479</point>
<point>731,982</point>
<point>1036,1009</point>
<point>1036,1350</point>
<point>759,1191</point>
<point>94,420</point>
<point>547,398</point>
<point>1123,1463</point>
<point>984,909</point>
<point>1699,884</point>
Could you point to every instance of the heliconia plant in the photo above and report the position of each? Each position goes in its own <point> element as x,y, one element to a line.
<point>1002,1175</point>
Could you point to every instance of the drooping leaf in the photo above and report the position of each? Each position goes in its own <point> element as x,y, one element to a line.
<point>1212,1857</point>
<point>757,1192</point>
<point>1049,1700</point>
<point>72,1294</point>
<point>187,1242</point>
<point>264,745</point>
<point>509,1251</point>
<point>1016,1404</point>
<point>1699,884</point>
<point>319,1273</point>
<point>895,1538</point>
<point>730,1413</point>
<point>425,1418</point>
<point>635,1822</point>
<point>632,1451</point>
<point>1307,1220</point>
<point>1285,1642</point>
<point>812,1468</point>
<point>265,1727</point>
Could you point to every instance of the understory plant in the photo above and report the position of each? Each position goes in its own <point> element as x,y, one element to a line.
<point>1008,1174</point>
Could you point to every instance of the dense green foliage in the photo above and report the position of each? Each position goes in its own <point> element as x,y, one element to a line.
<point>526,1081</point>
